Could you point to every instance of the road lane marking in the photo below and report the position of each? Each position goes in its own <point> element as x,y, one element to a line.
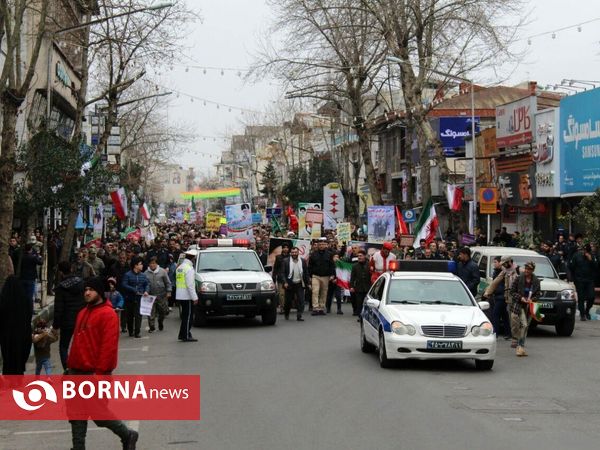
<point>145,348</point>
<point>134,362</point>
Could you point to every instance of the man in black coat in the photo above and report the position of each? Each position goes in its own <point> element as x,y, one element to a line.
<point>15,327</point>
<point>67,304</point>
<point>467,270</point>
<point>583,267</point>
<point>293,276</point>
<point>360,282</point>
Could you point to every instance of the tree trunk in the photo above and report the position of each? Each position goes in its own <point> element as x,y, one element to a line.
<point>7,171</point>
<point>425,166</point>
<point>68,238</point>
<point>371,175</point>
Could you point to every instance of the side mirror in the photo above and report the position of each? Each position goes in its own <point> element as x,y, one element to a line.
<point>562,275</point>
<point>484,306</point>
<point>373,303</point>
<point>268,269</point>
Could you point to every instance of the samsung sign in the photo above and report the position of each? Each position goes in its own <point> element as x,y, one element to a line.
<point>580,143</point>
<point>454,130</point>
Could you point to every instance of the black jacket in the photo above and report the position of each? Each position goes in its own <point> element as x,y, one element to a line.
<point>320,263</point>
<point>469,273</point>
<point>284,272</point>
<point>360,277</point>
<point>583,269</point>
<point>68,302</point>
<point>29,265</point>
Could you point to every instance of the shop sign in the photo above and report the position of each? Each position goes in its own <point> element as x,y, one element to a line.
<point>514,122</point>
<point>580,143</point>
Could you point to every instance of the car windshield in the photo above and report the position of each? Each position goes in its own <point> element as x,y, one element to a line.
<point>228,261</point>
<point>432,292</point>
<point>543,266</point>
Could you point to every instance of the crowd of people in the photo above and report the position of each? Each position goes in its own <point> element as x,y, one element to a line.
<point>130,269</point>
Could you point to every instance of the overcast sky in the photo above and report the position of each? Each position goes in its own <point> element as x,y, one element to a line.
<point>230,30</point>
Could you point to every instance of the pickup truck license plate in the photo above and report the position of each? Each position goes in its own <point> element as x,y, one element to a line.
<point>239,296</point>
<point>546,305</point>
<point>444,345</point>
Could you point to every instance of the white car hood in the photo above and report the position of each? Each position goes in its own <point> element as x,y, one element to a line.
<point>436,314</point>
<point>553,284</point>
<point>233,277</point>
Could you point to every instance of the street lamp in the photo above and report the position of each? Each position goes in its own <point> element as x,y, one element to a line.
<point>473,158</point>
<point>56,33</point>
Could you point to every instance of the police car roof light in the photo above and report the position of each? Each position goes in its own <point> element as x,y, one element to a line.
<point>423,266</point>
<point>205,243</point>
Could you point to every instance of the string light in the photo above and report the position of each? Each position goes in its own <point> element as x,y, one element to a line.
<point>553,33</point>
<point>205,101</point>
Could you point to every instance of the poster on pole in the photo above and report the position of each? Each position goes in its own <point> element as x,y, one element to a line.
<point>381,223</point>
<point>239,221</point>
<point>344,231</point>
<point>304,226</point>
<point>213,221</point>
<point>333,200</point>
<point>98,221</point>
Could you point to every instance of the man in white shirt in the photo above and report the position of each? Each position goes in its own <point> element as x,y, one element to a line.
<point>294,278</point>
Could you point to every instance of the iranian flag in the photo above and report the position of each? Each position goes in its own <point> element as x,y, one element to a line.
<point>455,197</point>
<point>427,225</point>
<point>534,312</point>
<point>342,273</point>
<point>145,211</point>
<point>119,199</point>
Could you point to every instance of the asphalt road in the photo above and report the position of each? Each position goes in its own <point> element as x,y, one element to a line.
<point>308,386</point>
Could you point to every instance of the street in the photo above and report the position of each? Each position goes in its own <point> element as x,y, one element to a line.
<point>308,386</point>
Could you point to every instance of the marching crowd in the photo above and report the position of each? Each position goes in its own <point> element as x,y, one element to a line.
<point>127,270</point>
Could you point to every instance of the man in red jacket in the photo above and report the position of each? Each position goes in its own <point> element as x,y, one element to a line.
<point>94,351</point>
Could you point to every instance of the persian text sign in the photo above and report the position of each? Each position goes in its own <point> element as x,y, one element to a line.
<point>580,143</point>
<point>514,122</point>
<point>100,397</point>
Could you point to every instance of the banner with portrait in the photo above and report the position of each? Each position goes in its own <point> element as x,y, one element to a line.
<point>239,221</point>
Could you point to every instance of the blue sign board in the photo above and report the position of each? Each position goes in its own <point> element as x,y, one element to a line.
<point>580,143</point>
<point>256,218</point>
<point>409,215</point>
<point>453,130</point>
<point>273,212</point>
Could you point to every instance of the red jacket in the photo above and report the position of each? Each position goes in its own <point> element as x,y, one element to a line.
<point>95,343</point>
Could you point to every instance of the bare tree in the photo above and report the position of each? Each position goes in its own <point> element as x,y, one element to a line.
<point>458,37</point>
<point>18,69</point>
<point>329,52</point>
<point>122,49</point>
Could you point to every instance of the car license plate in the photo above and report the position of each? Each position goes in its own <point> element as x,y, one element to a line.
<point>239,296</point>
<point>546,305</point>
<point>445,345</point>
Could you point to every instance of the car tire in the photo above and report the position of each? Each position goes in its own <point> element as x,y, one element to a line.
<point>269,316</point>
<point>384,362</point>
<point>565,327</point>
<point>484,364</point>
<point>200,319</point>
<point>365,346</point>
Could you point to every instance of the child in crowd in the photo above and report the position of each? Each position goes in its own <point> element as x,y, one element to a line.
<point>42,337</point>
<point>117,301</point>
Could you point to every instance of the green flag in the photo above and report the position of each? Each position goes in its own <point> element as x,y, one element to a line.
<point>275,226</point>
<point>193,204</point>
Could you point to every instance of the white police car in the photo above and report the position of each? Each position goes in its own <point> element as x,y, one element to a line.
<point>420,310</point>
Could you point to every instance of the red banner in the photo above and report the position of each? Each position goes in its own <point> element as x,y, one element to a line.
<point>82,397</point>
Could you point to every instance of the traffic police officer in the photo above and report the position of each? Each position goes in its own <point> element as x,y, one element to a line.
<point>185,293</point>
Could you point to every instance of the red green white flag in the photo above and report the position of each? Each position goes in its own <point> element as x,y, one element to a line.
<point>343,270</point>
<point>427,225</point>
<point>534,312</point>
